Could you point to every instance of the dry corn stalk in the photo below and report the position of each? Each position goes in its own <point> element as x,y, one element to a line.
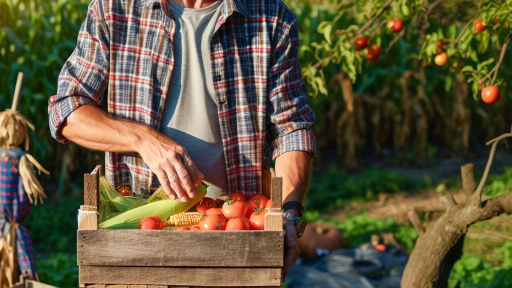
<point>185,219</point>
<point>30,182</point>
<point>13,129</point>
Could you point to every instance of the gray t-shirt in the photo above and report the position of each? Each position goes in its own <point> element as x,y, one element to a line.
<point>190,114</point>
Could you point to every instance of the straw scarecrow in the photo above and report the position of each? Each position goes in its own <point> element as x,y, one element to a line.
<point>19,188</point>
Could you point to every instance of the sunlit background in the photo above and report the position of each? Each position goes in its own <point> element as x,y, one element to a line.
<point>408,126</point>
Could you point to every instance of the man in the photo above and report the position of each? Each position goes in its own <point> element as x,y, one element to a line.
<point>194,90</point>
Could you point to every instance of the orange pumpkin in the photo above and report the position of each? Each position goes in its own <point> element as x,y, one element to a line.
<point>323,236</point>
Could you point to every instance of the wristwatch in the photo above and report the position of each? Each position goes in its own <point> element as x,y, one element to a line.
<point>299,222</point>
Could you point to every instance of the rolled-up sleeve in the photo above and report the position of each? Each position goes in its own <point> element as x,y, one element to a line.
<point>85,74</point>
<point>290,117</point>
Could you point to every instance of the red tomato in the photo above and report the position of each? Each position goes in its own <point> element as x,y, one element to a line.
<point>440,44</point>
<point>237,197</point>
<point>201,209</point>
<point>247,221</point>
<point>214,211</point>
<point>237,224</point>
<point>490,94</point>
<point>234,209</point>
<point>397,26</point>
<point>213,222</point>
<point>361,42</point>
<point>479,26</point>
<point>159,220</point>
<point>496,21</point>
<point>256,201</point>
<point>267,206</point>
<point>208,203</point>
<point>380,247</point>
<point>125,192</point>
<point>195,228</point>
<point>390,25</point>
<point>184,229</point>
<point>258,219</point>
<point>150,223</point>
<point>372,53</point>
<point>219,202</point>
<point>440,59</point>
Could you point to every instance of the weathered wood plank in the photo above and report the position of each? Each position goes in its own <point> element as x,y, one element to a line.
<point>277,193</point>
<point>92,188</point>
<point>265,185</point>
<point>179,276</point>
<point>179,248</point>
<point>96,286</point>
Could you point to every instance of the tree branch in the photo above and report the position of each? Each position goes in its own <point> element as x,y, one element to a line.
<point>448,201</point>
<point>415,220</point>
<point>468,179</point>
<point>495,206</point>
<point>480,189</point>
<point>402,33</point>
<point>365,26</point>
<point>462,32</point>
<point>502,55</point>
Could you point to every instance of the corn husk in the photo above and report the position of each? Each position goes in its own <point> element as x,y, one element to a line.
<point>111,202</point>
<point>159,207</point>
<point>117,202</point>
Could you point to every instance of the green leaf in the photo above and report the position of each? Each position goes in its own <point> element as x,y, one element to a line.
<point>344,6</point>
<point>405,9</point>
<point>472,263</point>
<point>483,42</point>
<point>467,68</point>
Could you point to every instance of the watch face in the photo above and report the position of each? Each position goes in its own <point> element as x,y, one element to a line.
<point>301,226</point>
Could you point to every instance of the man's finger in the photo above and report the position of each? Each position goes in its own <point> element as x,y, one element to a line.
<point>291,247</point>
<point>184,176</point>
<point>164,181</point>
<point>174,179</point>
<point>195,174</point>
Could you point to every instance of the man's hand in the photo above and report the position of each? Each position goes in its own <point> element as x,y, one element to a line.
<point>90,127</point>
<point>291,247</point>
<point>171,163</point>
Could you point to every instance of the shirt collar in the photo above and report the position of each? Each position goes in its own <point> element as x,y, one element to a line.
<point>229,6</point>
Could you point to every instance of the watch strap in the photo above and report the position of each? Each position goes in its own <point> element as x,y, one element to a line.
<point>294,205</point>
<point>299,223</point>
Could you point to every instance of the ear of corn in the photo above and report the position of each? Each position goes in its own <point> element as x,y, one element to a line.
<point>185,219</point>
<point>117,202</point>
<point>163,209</point>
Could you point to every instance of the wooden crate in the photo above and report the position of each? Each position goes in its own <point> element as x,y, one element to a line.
<point>169,258</point>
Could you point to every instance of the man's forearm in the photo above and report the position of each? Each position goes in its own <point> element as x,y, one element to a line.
<point>295,168</point>
<point>92,128</point>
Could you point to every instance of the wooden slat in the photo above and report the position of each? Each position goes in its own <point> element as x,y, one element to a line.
<point>274,221</point>
<point>96,286</point>
<point>277,193</point>
<point>265,185</point>
<point>178,276</point>
<point>179,248</point>
<point>92,188</point>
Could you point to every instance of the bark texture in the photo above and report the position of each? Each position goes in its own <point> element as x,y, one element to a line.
<point>440,245</point>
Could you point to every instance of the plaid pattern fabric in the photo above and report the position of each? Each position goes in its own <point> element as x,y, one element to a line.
<point>123,64</point>
<point>16,206</point>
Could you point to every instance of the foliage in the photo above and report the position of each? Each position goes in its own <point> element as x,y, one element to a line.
<point>499,184</point>
<point>56,251</point>
<point>474,272</point>
<point>335,189</point>
<point>402,102</point>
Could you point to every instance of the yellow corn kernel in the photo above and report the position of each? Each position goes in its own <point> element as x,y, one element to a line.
<point>185,219</point>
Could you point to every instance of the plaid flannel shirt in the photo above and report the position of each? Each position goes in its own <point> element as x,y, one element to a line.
<point>123,64</point>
